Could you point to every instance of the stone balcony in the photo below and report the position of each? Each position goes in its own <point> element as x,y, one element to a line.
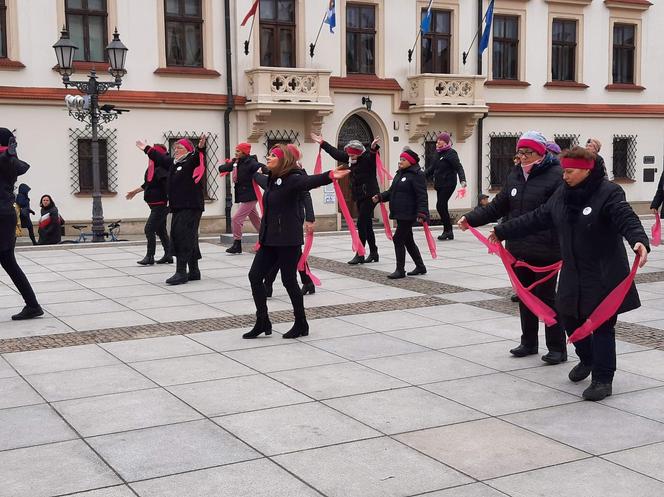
<point>271,89</point>
<point>457,94</point>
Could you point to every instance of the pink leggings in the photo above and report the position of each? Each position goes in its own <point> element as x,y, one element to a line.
<point>240,216</point>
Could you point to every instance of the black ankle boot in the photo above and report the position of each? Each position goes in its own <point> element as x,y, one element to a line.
<point>308,288</point>
<point>397,274</point>
<point>524,350</point>
<point>194,273</point>
<point>236,248</point>
<point>419,269</point>
<point>597,391</point>
<point>358,259</point>
<point>579,372</point>
<point>446,235</point>
<point>263,325</point>
<point>148,260</point>
<point>166,259</point>
<point>555,357</point>
<point>180,275</point>
<point>373,257</point>
<point>28,313</point>
<point>300,329</point>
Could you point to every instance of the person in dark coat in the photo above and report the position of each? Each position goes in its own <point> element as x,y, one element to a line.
<point>444,169</point>
<point>526,188</point>
<point>10,168</point>
<point>408,203</point>
<point>280,237</point>
<point>591,217</point>
<point>658,199</point>
<point>50,225</point>
<point>23,201</point>
<point>155,194</point>
<point>364,186</point>
<point>243,167</point>
<point>186,203</point>
<point>593,145</point>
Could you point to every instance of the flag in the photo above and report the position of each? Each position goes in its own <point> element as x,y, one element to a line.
<point>484,42</point>
<point>331,17</point>
<point>250,14</point>
<point>426,21</point>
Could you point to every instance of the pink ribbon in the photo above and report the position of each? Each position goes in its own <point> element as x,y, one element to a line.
<point>199,170</point>
<point>656,232</point>
<point>357,244</point>
<point>150,170</point>
<point>386,221</point>
<point>461,193</point>
<point>430,241</point>
<point>381,170</point>
<point>302,264</point>
<point>318,168</point>
<point>259,195</point>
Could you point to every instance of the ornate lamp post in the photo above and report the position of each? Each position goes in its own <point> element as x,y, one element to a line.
<point>89,111</point>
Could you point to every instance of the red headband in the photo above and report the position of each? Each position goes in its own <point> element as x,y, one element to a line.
<point>411,160</point>
<point>571,163</point>
<point>354,151</point>
<point>277,152</point>
<point>2,149</point>
<point>186,144</point>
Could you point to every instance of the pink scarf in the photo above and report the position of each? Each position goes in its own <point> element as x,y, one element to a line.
<point>356,243</point>
<point>444,148</point>
<point>302,264</point>
<point>318,168</point>
<point>430,240</point>
<point>656,232</point>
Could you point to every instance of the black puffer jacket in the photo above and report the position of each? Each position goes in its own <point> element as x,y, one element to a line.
<point>590,228</point>
<point>50,228</point>
<point>445,168</point>
<point>307,206</point>
<point>518,197</point>
<point>155,192</point>
<point>659,194</point>
<point>10,168</point>
<point>23,201</point>
<point>407,195</point>
<point>246,168</point>
<point>363,180</point>
<point>183,192</point>
<point>281,225</point>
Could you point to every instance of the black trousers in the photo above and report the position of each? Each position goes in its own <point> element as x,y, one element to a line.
<point>403,240</point>
<point>443,195</point>
<point>184,234</point>
<point>156,226</point>
<point>546,292</point>
<point>272,275</point>
<point>27,224</point>
<point>365,230</point>
<point>285,258</point>
<point>8,259</point>
<point>598,350</point>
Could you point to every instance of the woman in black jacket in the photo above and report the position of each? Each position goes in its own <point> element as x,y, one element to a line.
<point>591,217</point>
<point>658,199</point>
<point>10,168</point>
<point>364,186</point>
<point>280,237</point>
<point>243,168</point>
<point>408,203</point>
<point>23,201</point>
<point>50,226</point>
<point>444,170</point>
<point>527,187</point>
<point>155,194</point>
<point>186,202</point>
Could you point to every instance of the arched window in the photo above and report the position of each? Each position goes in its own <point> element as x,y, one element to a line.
<point>355,128</point>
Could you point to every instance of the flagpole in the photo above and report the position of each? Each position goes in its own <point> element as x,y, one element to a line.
<point>410,52</point>
<point>312,46</point>
<point>251,30</point>
<point>465,54</point>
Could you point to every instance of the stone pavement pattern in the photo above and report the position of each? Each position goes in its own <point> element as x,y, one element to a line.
<point>401,389</point>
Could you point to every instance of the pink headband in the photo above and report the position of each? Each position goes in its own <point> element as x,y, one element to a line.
<point>538,147</point>
<point>570,163</point>
<point>411,160</point>
<point>354,151</point>
<point>186,144</point>
<point>277,152</point>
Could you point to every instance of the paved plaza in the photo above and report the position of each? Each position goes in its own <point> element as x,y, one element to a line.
<point>128,387</point>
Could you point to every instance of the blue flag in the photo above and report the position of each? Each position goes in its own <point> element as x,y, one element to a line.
<point>426,20</point>
<point>484,42</point>
<point>331,17</point>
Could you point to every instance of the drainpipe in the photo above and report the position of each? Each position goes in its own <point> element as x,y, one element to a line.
<point>480,122</point>
<point>229,108</point>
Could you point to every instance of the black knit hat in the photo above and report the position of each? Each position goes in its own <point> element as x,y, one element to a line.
<point>5,136</point>
<point>413,158</point>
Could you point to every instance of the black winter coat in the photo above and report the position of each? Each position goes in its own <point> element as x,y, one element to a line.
<point>307,206</point>
<point>246,168</point>
<point>659,194</point>
<point>10,168</point>
<point>518,197</point>
<point>445,168</point>
<point>593,254</point>
<point>407,195</point>
<point>23,201</point>
<point>363,182</point>
<point>155,192</point>
<point>183,192</point>
<point>50,230</point>
<point>281,224</point>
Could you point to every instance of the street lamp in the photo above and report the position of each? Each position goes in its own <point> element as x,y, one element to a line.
<point>90,112</point>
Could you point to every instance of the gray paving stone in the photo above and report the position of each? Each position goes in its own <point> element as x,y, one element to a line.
<point>389,320</point>
<point>505,327</point>
<point>117,491</point>
<point>183,313</point>
<point>472,490</point>
<point>16,392</point>
<point>443,336</point>
<point>403,409</point>
<point>326,328</point>
<point>267,480</point>
<point>66,309</point>
<point>370,468</point>
<point>141,290</point>
<point>648,403</point>
<point>225,340</point>
<point>32,425</point>
<point>648,460</point>
<point>54,469</point>
<point>106,320</point>
<point>124,411</point>
<point>233,395</point>
<point>591,427</point>
<point>291,356</point>
<point>456,313</point>
<point>62,359</point>
<point>602,478</point>
<point>45,325</point>
<point>79,383</point>
<point>496,355</point>
<point>152,301</point>
<point>371,346</point>
<point>648,363</point>
<point>149,349</point>
<point>471,296</point>
<point>68,296</point>
<point>489,448</point>
<point>165,450</point>
<point>426,367</point>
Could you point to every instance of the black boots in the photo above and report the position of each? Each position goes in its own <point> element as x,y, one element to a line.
<point>300,329</point>
<point>166,259</point>
<point>180,275</point>
<point>579,372</point>
<point>308,288</point>
<point>236,248</point>
<point>373,257</point>
<point>446,235</point>
<point>523,350</point>
<point>148,260</point>
<point>419,269</point>
<point>358,259</point>
<point>597,391</point>
<point>555,357</point>
<point>28,313</point>
<point>263,325</point>
<point>397,274</point>
<point>194,273</point>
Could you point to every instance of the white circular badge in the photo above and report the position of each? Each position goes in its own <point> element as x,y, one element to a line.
<point>403,179</point>
<point>278,181</point>
<point>587,211</point>
<point>513,192</point>
<point>179,168</point>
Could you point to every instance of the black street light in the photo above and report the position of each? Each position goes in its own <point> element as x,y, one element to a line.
<point>87,109</point>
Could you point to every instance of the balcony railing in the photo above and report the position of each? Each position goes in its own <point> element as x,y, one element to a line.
<point>281,85</point>
<point>431,90</point>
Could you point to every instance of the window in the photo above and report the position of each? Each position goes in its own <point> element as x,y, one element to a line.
<point>624,50</point>
<point>624,157</point>
<point>87,25</point>
<point>501,158</point>
<point>360,39</point>
<point>277,20</point>
<point>85,184</point>
<point>436,45</point>
<point>184,33</point>
<point>563,50</point>
<point>3,30</point>
<point>505,63</point>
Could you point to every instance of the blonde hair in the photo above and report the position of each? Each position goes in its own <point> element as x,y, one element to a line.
<point>286,163</point>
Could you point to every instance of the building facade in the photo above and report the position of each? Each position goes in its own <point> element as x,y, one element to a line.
<point>569,68</point>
